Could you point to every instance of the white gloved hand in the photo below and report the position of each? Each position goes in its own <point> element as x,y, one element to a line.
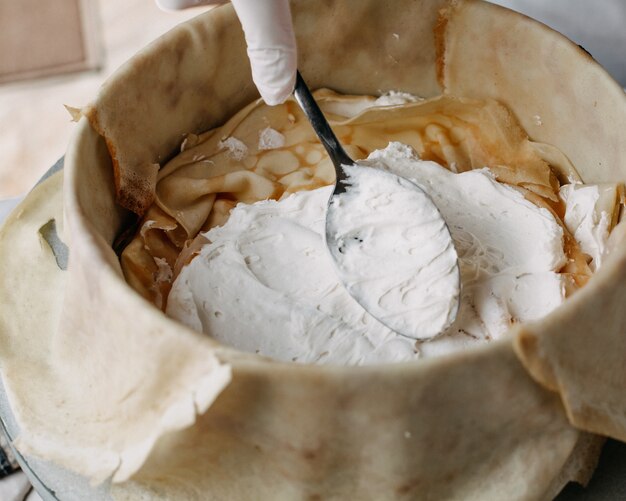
<point>271,42</point>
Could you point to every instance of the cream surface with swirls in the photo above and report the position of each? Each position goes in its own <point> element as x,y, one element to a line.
<point>393,252</point>
<point>266,284</point>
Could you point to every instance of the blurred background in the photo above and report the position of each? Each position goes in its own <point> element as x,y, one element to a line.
<point>44,45</point>
<point>598,25</point>
<point>59,52</point>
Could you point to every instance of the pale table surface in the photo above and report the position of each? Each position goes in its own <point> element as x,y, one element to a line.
<point>35,126</point>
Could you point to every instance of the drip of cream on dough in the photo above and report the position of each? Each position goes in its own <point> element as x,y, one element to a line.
<point>396,98</point>
<point>270,139</point>
<point>586,219</point>
<point>237,149</point>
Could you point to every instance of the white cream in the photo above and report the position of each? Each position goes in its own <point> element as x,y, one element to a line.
<point>270,139</point>
<point>394,253</point>
<point>266,284</point>
<point>237,149</point>
<point>588,211</point>
<point>354,107</point>
<point>396,98</point>
<point>509,249</point>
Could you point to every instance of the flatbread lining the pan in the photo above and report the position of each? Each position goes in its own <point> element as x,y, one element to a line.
<point>145,117</point>
<point>47,363</point>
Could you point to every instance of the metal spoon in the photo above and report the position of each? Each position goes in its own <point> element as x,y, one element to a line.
<point>411,286</point>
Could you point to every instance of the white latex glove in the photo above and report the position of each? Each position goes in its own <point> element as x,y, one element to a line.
<point>271,42</point>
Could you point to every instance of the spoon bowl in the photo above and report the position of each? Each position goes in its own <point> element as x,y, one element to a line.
<point>390,245</point>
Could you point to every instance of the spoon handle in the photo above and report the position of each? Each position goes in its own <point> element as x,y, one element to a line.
<point>321,127</point>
